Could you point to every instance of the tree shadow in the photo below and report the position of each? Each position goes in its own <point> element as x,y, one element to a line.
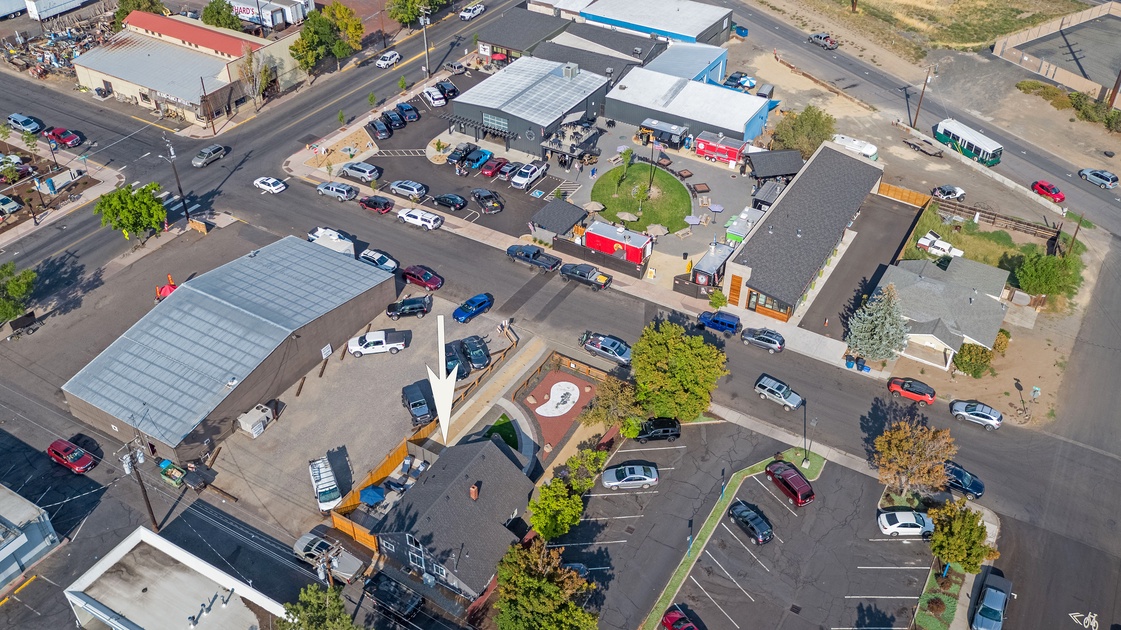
<point>860,295</point>
<point>883,413</point>
<point>61,279</point>
<point>870,616</point>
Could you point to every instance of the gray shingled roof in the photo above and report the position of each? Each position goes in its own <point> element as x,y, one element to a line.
<point>521,30</point>
<point>803,227</point>
<point>168,371</point>
<point>558,216</point>
<point>438,511</point>
<point>587,60</point>
<point>767,164</point>
<point>618,41</point>
<point>533,89</point>
<point>955,304</point>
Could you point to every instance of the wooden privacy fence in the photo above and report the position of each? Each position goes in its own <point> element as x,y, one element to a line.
<point>948,209</point>
<point>905,195</point>
<point>556,361</point>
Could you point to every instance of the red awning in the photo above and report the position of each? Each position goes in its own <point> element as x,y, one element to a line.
<point>498,57</point>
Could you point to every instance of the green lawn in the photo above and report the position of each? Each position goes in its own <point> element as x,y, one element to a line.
<point>927,620</point>
<point>668,205</point>
<point>505,430</point>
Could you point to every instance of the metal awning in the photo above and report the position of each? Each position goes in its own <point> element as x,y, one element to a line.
<point>573,117</point>
<point>474,124</point>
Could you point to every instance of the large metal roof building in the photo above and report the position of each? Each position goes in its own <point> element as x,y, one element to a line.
<point>223,342</point>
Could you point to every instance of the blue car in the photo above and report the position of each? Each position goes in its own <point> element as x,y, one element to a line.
<point>473,307</point>
<point>477,158</point>
<point>719,321</point>
<point>408,112</point>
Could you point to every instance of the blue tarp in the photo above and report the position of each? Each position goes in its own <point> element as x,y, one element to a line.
<point>372,495</point>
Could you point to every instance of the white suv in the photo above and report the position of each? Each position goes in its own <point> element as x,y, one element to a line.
<point>422,218</point>
<point>434,97</point>
<point>408,188</point>
<point>361,170</point>
<point>527,175</point>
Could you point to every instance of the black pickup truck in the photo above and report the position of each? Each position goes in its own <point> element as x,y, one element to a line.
<point>393,597</point>
<point>585,274</point>
<point>460,152</point>
<point>533,256</point>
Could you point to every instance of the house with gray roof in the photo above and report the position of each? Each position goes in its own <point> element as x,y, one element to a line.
<point>222,342</point>
<point>558,217</point>
<point>516,34</point>
<point>947,304</point>
<point>452,525</point>
<point>794,241</point>
<point>529,100</point>
<point>782,164</point>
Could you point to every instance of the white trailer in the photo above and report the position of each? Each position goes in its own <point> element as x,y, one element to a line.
<point>12,8</point>
<point>43,9</point>
<point>277,13</point>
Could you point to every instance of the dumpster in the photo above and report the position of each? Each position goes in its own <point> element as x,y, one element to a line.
<point>171,473</point>
<point>741,31</point>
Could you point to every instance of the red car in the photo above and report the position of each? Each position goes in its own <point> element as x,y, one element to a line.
<point>74,458</point>
<point>423,276</point>
<point>493,165</point>
<point>65,137</point>
<point>1049,190</point>
<point>911,389</point>
<point>376,203</point>
<point>676,620</point>
<point>790,480</point>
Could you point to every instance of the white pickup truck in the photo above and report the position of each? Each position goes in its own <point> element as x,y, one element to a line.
<point>376,342</point>
<point>327,493</point>
<point>934,244</point>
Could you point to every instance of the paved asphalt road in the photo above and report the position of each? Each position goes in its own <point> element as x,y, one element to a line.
<point>1050,490</point>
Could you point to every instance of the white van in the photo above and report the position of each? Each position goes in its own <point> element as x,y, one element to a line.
<point>867,149</point>
<point>327,493</point>
<point>434,97</point>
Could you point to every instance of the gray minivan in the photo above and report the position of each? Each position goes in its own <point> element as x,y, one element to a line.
<point>413,398</point>
<point>208,155</point>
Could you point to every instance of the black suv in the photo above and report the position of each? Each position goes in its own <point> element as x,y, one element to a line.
<point>753,523</point>
<point>419,306</point>
<point>659,429</point>
<point>393,119</point>
<point>461,152</point>
<point>448,89</point>
<point>456,359</point>
<point>413,398</point>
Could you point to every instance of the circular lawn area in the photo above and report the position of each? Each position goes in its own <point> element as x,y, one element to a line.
<point>668,203</point>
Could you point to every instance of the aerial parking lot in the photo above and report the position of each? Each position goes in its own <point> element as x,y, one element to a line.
<point>828,565</point>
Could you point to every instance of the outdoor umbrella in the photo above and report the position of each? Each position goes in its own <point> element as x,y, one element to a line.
<point>626,216</point>
<point>657,230</point>
<point>594,206</point>
<point>716,207</point>
<point>372,495</point>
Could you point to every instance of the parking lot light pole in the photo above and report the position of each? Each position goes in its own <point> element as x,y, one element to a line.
<point>426,11</point>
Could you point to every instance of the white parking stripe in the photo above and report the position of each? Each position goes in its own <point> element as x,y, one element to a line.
<point>714,601</point>
<point>906,539</point>
<point>899,568</point>
<point>587,544</point>
<point>652,448</point>
<point>617,493</point>
<point>775,496</point>
<point>725,525</point>
<point>874,628</point>
<point>881,596</point>
<point>729,575</point>
<point>608,518</point>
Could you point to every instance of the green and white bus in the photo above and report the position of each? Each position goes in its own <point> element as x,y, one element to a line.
<point>972,144</point>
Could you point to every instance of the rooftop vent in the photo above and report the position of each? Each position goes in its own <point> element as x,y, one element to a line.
<point>637,51</point>
<point>609,71</point>
<point>570,70</point>
<point>799,233</point>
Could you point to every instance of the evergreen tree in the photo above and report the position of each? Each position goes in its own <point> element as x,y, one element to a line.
<point>877,331</point>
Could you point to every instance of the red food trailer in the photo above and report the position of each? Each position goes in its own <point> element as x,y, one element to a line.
<point>719,148</point>
<point>619,242</point>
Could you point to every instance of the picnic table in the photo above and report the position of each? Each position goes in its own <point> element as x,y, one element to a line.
<point>701,188</point>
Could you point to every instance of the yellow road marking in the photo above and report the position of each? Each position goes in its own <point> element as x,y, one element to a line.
<point>24,585</point>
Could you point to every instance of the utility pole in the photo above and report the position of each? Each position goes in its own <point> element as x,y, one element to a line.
<point>205,104</point>
<point>426,11</point>
<point>921,94</point>
<point>170,157</point>
<point>131,461</point>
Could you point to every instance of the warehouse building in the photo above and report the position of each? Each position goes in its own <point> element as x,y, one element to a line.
<point>182,67</point>
<point>525,103</point>
<point>223,342</point>
<point>672,20</point>
<point>696,62</point>
<point>647,95</point>
<point>26,535</point>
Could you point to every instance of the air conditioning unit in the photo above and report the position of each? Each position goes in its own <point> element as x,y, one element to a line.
<point>570,70</point>
<point>255,420</point>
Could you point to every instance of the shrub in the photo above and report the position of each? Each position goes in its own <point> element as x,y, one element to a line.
<point>717,299</point>
<point>945,582</point>
<point>973,359</point>
<point>936,606</point>
<point>1113,121</point>
<point>1046,275</point>
<point>1001,343</point>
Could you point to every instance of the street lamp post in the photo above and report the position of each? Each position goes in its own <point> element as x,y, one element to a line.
<point>130,461</point>
<point>806,441</point>
<point>425,11</point>
<point>170,157</point>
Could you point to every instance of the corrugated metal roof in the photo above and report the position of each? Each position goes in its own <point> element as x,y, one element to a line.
<point>148,62</point>
<point>171,369</point>
<point>533,89</point>
<point>686,60</point>
<point>682,100</point>
<point>683,17</point>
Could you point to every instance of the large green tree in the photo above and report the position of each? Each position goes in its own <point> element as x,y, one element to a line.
<point>804,131</point>
<point>15,289</point>
<point>912,457</point>
<point>960,536</point>
<point>556,510</point>
<point>675,374</point>
<point>613,404</point>
<point>347,24</point>
<point>221,14</point>
<point>132,211</point>
<point>1040,274</point>
<point>405,12</point>
<point>317,609</point>
<point>537,592</point>
<point>877,330</point>
<point>317,36</point>
<point>124,7</point>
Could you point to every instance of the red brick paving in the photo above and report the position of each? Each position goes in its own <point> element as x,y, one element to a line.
<point>554,429</point>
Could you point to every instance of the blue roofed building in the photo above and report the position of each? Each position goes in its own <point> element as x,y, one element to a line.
<point>673,20</point>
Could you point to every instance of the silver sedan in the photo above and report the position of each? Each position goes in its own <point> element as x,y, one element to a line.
<point>626,477</point>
